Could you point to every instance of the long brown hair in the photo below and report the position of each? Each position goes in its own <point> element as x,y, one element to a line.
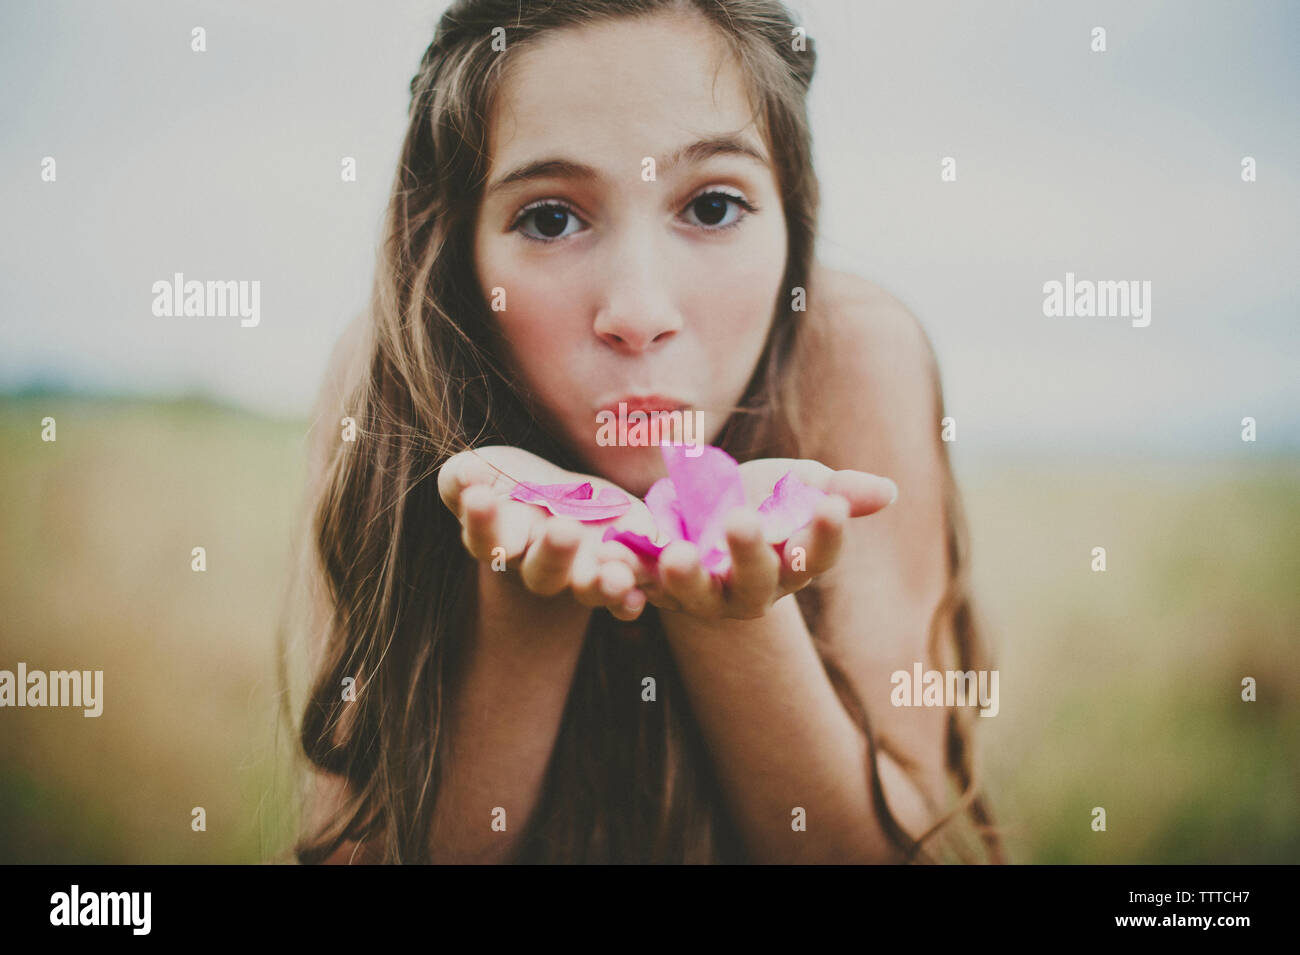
<point>626,782</point>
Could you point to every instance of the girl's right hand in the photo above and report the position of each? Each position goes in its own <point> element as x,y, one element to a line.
<point>548,554</point>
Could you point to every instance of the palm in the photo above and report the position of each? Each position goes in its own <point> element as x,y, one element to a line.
<point>762,571</point>
<point>760,475</point>
<point>551,553</point>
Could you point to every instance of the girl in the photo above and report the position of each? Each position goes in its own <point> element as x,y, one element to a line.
<point>605,206</point>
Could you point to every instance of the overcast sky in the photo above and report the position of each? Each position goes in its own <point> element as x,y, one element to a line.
<point>1123,165</point>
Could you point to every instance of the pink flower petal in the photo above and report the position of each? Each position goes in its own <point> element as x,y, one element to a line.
<point>638,544</point>
<point>540,493</point>
<point>574,500</point>
<point>715,561</point>
<point>693,502</point>
<point>708,488</point>
<point>789,507</point>
<point>661,500</point>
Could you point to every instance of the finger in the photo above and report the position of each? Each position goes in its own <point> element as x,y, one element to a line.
<point>613,550</point>
<point>478,518</point>
<point>547,562</point>
<point>493,528</point>
<point>585,576</point>
<point>814,549</point>
<point>649,580</point>
<point>448,486</point>
<point>460,472</point>
<point>617,587</point>
<point>685,581</point>
<point>661,599</point>
<point>631,607</point>
<point>755,568</point>
<point>866,493</point>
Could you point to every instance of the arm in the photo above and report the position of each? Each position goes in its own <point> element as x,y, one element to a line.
<point>778,734</point>
<point>527,635</point>
<point>505,717</point>
<point>779,737</point>
<point>505,710</point>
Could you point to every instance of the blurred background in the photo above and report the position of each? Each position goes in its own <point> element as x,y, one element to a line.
<point>1119,689</point>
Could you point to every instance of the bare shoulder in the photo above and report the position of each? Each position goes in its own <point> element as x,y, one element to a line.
<point>868,361</point>
<point>865,321</point>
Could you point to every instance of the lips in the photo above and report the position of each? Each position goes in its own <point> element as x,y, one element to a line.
<point>646,403</point>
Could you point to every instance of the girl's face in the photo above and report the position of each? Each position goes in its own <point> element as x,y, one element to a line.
<point>631,239</point>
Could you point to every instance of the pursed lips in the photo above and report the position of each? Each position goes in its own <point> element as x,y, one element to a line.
<point>648,404</point>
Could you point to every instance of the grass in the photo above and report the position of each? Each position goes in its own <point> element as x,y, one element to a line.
<point>1119,689</point>
<point>1123,689</point>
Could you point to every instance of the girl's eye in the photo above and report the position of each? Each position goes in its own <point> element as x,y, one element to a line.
<point>551,220</point>
<point>713,210</point>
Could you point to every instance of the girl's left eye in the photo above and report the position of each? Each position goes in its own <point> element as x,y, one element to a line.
<point>713,210</point>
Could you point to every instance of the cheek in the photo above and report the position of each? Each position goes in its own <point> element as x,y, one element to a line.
<point>535,309</point>
<point>735,290</point>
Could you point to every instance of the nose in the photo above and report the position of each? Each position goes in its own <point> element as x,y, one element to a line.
<point>636,311</point>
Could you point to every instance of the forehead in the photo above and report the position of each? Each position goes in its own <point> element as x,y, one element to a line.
<point>620,90</point>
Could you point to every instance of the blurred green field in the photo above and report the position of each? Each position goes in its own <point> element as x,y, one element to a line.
<point>1119,690</point>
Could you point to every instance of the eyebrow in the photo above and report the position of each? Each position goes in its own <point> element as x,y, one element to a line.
<point>560,168</point>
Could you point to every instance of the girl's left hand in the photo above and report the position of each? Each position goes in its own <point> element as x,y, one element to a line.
<point>762,573</point>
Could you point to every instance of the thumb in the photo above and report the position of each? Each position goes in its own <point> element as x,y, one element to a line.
<point>459,472</point>
<point>866,493</point>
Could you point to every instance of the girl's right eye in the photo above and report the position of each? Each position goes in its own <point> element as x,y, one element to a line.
<point>551,221</point>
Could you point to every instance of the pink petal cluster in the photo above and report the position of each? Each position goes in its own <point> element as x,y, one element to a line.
<point>574,500</point>
<point>693,502</point>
